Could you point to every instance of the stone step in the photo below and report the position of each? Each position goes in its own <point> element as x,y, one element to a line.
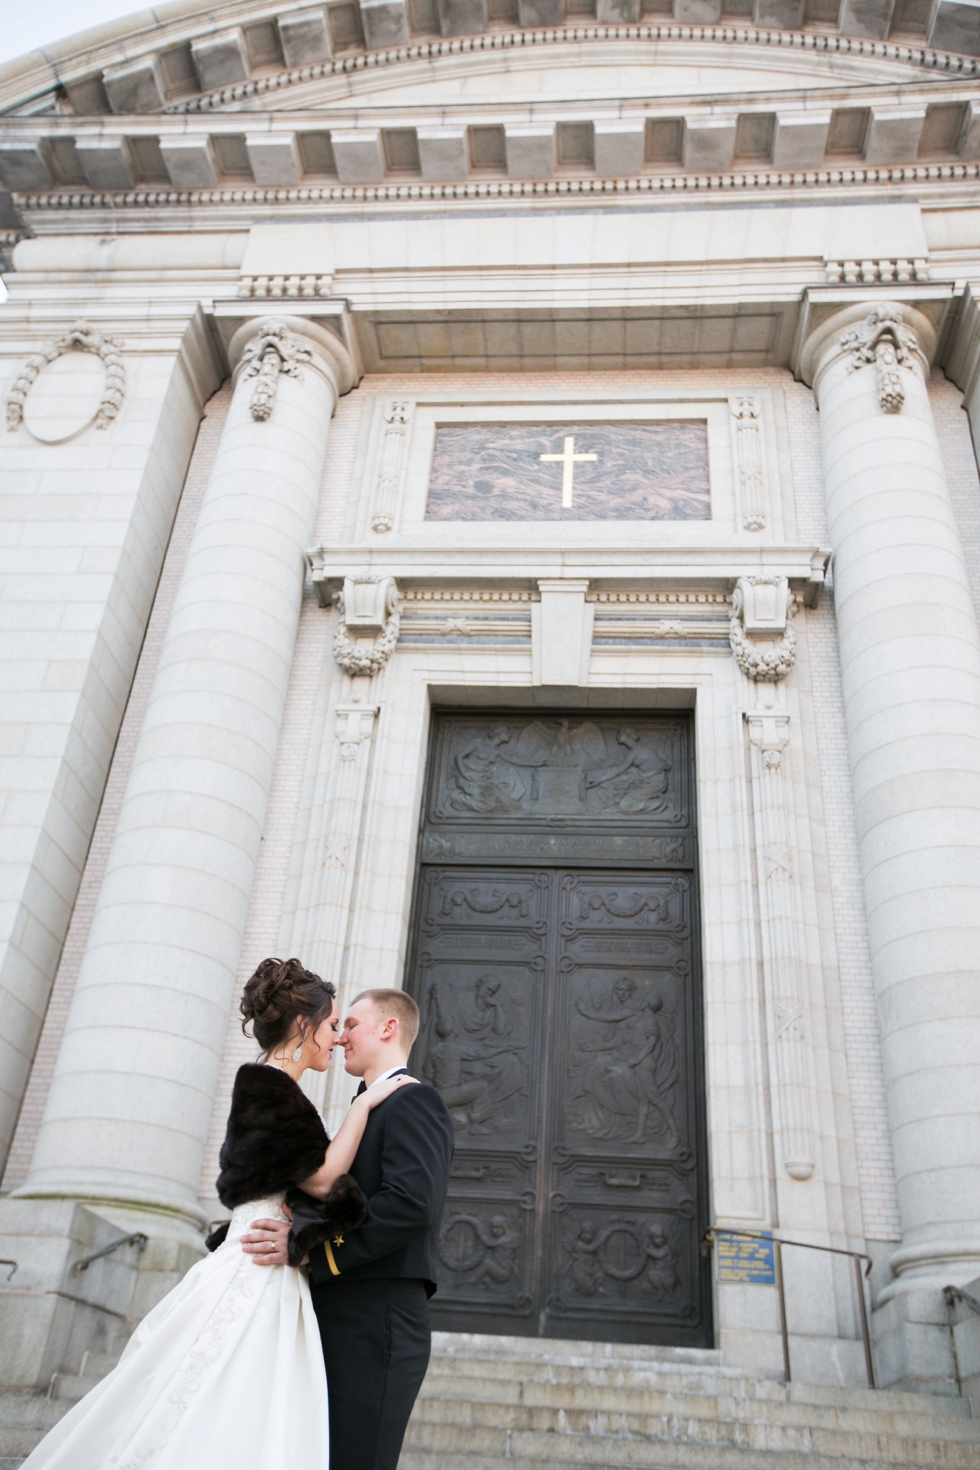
<point>479,1372</point>
<point>457,1447</point>
<point>25,1419</point>
<point>502,1399</point>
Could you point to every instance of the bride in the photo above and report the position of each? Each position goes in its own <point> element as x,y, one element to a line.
<point>228,1370</point>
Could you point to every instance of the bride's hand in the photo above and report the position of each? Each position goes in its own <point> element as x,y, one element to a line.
<point>375,1095</point>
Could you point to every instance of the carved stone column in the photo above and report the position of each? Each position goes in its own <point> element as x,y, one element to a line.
<point>130,1103</point>
<point>783,942</point>
<point>910,661</point>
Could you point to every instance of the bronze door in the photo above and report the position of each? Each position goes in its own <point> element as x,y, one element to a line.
<point>555,963</point>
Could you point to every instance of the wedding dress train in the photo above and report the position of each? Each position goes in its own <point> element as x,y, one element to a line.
<point>225,1374</point>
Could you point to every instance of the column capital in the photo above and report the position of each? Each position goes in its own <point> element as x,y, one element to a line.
<point>891,328</point>
<point>295,341</point>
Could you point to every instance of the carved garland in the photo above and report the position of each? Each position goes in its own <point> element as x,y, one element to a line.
<point>764,665</point>
<point>363,660</point>
<point>79,338</point>
<point>275,350</point>
<point>882,339</point>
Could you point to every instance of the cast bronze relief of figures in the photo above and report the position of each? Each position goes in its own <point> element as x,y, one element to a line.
<point>558,767</point>
<point>561,1025</point>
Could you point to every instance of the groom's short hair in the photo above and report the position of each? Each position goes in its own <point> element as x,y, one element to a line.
<point>395,1003</point>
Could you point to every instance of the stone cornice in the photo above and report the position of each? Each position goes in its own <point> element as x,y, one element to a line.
<point>607,567</point>
<point>673,187</point>
<point>425,51</point>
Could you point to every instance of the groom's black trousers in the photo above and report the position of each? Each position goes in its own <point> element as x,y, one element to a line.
<point>376,1344</point>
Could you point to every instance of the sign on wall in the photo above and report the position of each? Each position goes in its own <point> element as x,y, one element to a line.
<point>747,1260</point>
<point>574,472</point>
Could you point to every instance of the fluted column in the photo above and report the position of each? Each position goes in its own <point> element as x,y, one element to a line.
<point>910,661</point>
<point>131,1099</point>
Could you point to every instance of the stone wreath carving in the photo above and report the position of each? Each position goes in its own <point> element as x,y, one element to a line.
<point>770,662</point>
<point>275,350</point>
<point>79,338</point>
<point>884,340</point>
<point>367,605</point>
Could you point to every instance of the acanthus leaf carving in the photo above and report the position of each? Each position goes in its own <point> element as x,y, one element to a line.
<point>367,604</point>
<point>884,341</point>
<point>79,338</point>
<point>768,663</point>
<point>277,349</point>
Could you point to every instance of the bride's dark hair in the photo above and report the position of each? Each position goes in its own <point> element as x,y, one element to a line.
<point>278,993</point>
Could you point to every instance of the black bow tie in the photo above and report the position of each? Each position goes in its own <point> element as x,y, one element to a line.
<point>362,1088</point>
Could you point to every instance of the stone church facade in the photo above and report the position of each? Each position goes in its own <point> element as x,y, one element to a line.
<point>492,506</point>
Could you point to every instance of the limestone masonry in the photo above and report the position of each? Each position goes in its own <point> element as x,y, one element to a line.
<point>574,403</point>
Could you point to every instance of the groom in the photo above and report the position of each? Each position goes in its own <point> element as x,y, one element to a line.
<point>371,1287</point>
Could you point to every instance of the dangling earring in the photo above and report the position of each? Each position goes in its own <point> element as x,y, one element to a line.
<point>297,1054</point>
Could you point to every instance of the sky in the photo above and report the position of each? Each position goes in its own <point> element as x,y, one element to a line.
<point>28,26</point>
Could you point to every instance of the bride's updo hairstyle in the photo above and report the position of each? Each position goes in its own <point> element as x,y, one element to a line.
<point>278,994</point>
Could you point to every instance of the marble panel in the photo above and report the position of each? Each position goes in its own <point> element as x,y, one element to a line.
<point>522,472</point>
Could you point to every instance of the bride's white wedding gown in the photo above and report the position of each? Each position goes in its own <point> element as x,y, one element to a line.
<point>225,1374</point>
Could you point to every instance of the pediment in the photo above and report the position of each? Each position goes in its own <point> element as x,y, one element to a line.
<point>297,99</point>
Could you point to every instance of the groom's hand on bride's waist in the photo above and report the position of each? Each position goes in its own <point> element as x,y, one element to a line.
<point>267,1242</point>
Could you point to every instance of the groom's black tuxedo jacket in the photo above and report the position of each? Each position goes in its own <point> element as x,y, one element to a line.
<point>402,1166</point>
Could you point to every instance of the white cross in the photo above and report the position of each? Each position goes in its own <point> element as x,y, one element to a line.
<point>568,459</point>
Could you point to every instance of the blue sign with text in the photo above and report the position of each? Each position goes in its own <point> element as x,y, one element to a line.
<point>749,1260</point>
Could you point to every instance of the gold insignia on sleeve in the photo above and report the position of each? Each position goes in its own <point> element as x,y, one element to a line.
<point>338,1240</point>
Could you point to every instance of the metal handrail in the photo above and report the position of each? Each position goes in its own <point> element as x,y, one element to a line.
<point>951,1293</point>
<point>777,1243</point>
<point>138,1239</point>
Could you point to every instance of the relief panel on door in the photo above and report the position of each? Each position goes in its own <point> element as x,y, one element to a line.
<point>561,1024</point>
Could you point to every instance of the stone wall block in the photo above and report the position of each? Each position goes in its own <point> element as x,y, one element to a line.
<point>385,23</point>
<point>871,19</point>
<point>617,12</point>
<point>954,25</point>
<point>138,86</point>
<point>530,150</point>
<point>785,15</point>
<point>462,17</point>
<point>358,155</point>
<point>23,165</point>
<point>191,161</point>
<point>106,162</point>
<point>618,147</point>
<point>800,139</point>
<point>697,12</point>
<point>443,154</point>
<point>893,134</point>
<point>708,143</point>
<point>274,158</point>
<point>541,12</point>
<point>221,58</point>
<point>305,36</point>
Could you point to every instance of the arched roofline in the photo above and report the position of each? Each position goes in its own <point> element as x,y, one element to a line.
<point>164,59</point>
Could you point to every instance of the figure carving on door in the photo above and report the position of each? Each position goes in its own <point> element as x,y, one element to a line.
<point>643,775</point>
<point>628,1065</point>
<point>474,1055</point>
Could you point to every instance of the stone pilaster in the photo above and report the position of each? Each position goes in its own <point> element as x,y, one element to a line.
<point>910,663</point>
<point>130,1103</point>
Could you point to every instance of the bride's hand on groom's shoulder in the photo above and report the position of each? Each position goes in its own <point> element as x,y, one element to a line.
<point>383,1090</point>
<point>267,1241</point>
